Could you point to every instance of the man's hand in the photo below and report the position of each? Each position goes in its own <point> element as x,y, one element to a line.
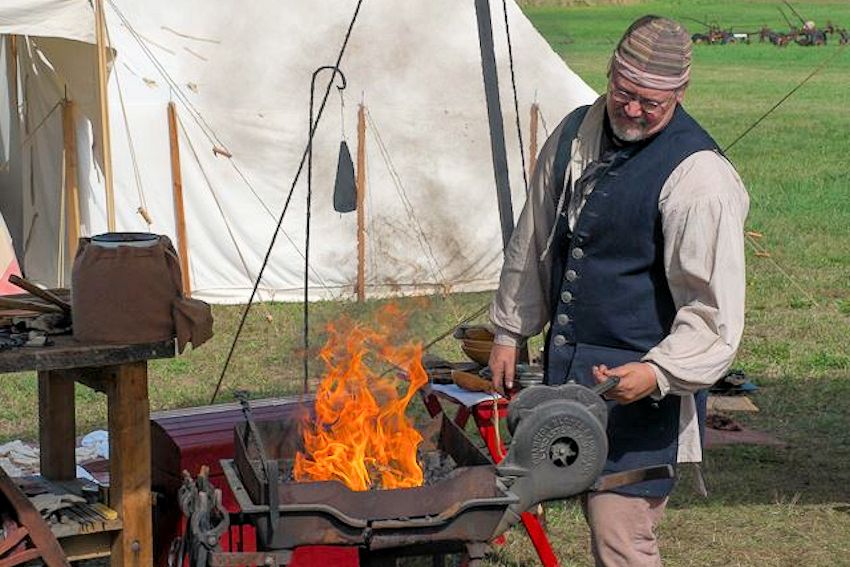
<point>637,380</point>
<point>503,365</point>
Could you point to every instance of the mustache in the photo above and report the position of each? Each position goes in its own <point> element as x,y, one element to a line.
<point>641,122</point>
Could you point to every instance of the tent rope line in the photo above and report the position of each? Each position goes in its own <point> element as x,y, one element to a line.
<point>47,116</point>
<point>749,129</point>
<point>543,121</point>
<point>206,129</point>
<point>788,95</point>
<point>749,239</point>
<point>213,137</point>
<point>763,253</point>
<point>221,213</point>
<point>233,239</point>
<point>137,176</point>
<point>295,179</point>
<point>436,271</point>
<point>196,115</point>
<point>215,199</point>
<point>516,97</point>
<point>421,237</point>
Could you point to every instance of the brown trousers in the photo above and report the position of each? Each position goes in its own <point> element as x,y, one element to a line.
<point>622,529</point>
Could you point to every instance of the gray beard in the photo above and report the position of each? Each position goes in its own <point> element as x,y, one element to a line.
<point>630,134</point>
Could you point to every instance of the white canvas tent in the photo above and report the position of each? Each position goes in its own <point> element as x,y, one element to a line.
<point>239,73</point>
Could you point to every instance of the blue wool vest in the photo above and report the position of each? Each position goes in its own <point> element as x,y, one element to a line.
<point>612,301</point>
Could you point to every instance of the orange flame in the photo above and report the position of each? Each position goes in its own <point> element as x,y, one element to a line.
<point>361,435</point>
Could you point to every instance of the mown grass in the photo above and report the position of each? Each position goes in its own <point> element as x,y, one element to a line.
<point>768,506</point>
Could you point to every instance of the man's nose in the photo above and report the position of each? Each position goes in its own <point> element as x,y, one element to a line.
<point>633,109</point>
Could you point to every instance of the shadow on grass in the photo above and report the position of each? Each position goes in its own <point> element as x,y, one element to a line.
<point>810,415</point>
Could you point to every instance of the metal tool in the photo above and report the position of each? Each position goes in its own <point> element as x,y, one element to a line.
<point>252,433</point>
<point>609,384</point>
<point>48,296</point>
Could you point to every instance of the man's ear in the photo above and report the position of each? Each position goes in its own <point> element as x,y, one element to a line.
<point>680,94</point>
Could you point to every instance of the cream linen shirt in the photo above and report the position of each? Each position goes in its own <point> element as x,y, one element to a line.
<point>703,205</point>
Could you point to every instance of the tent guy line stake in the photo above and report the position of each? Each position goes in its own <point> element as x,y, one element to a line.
<point>360,286</point>
<point>177,194</point>
<point>307,149</point>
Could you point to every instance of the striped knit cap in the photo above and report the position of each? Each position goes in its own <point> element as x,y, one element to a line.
<point>655,53</point>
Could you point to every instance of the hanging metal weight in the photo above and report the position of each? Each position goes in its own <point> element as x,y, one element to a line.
<point>557,450</point>
<point>529,398</point>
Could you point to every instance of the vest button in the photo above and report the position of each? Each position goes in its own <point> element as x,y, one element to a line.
<point>559,340</point>
<point>578,253</point>
<point>563,319</point>
<point>570,275</point>
<point>566,296</point>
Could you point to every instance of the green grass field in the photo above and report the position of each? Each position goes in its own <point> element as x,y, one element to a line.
<point>768,506</point>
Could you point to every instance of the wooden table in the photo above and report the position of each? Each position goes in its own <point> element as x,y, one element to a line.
<point>119,371</point>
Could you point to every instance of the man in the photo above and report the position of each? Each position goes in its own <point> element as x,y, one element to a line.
<point>630,247</point>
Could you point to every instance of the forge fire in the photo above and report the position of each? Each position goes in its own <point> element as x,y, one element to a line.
<point>361,435</point>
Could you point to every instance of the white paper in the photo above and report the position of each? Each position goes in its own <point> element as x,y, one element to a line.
<point>464,397</point>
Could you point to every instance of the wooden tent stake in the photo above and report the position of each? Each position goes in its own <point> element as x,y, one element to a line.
<point>361,198</point>
<point>532,144</point>
<point>72,189</point>
<point>179,210</point>
<point>106,144</point>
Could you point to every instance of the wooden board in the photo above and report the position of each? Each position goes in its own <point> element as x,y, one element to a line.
<point>130,465</point>
<point>730,403</point>
<point>56,425</point>
<point>67,353</point>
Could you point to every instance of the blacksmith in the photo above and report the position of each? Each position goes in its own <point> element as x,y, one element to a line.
<point>631,248</point>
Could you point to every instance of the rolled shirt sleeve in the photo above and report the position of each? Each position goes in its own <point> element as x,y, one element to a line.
<point>703,205</point>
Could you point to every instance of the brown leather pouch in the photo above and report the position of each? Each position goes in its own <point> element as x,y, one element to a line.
<point>128,294</point>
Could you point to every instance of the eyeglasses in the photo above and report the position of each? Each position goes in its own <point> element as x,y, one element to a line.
<point>648,106</point>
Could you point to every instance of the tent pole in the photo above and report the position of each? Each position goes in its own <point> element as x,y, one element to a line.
<point>361,198</point>
<point>106,145</point>
<point>13,210</point>
<point>72,189</point>
<point>494,115</point>
<point>532,144</point>
<point>179,210</point>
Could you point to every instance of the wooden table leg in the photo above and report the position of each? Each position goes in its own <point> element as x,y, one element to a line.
<point>56,425</point>
<point>130,463</point>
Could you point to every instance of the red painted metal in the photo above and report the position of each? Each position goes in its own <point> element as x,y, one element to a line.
<point>189,438</point>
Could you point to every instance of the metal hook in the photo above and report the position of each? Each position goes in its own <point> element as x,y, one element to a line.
<point>310,134</point>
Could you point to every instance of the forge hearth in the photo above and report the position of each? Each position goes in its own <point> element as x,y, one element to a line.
<point>465,505</point>
<point>557,450</point>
